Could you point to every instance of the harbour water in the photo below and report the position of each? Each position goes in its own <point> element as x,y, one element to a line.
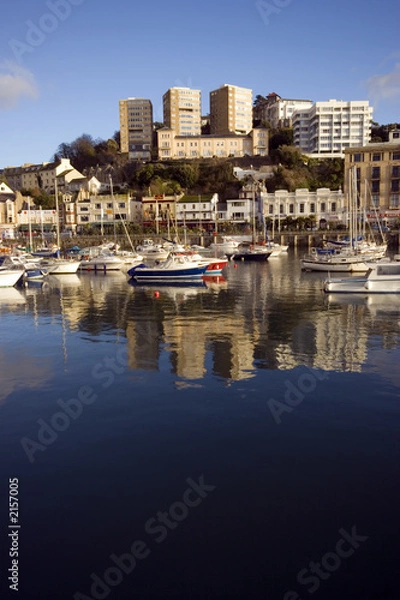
<point>234,440</point>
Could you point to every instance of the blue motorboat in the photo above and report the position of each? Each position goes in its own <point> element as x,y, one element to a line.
<point>175,268</point>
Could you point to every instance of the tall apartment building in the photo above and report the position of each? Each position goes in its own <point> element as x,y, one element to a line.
<point>182,110</point>
<point>328,128</point>
<point>136,127</point>
<point>278,112</point>
<point>231,110</point>
<point>378,175</point>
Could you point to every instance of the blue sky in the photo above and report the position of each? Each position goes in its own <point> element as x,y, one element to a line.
<point>64,64</point>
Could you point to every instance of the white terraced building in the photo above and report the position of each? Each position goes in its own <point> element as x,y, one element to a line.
<point>328,128</point>
<point>323,204</point>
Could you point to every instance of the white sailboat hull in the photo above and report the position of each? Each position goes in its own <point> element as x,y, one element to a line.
<point>10,277</point>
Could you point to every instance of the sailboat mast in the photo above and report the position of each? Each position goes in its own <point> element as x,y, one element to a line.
<point>57,215</point>
<point>29,224</point>
<point>354,207</point>
<point>113,208</point>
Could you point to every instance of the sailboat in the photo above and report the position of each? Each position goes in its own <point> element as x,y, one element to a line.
<point>352,257</point>
<point>252,252</point>
<point>51,263</point>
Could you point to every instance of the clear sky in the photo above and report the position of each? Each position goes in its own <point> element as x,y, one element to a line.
<point>64,64</point>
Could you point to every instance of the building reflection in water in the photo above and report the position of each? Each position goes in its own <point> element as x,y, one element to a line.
<point>270,317</point>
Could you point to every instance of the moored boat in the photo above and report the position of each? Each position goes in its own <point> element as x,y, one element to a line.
<point>59,266</point>
<point>174,268</point>
<point>381,278</point>
<point>338,262</point>
<point>251,253</point>
<point>228,245</point>
<point>10,276</point>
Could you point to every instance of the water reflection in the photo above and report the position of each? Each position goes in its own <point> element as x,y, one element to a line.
<point>260,316</point>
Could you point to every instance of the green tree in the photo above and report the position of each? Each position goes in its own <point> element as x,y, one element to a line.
<point>280,137</point>
<point>145,175</point>
<point>290,156</point>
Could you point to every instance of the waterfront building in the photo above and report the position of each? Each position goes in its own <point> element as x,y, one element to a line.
<point>39,219</point>
<point>329,128</point>
<point>42,176</point>
<point>136,127</point>
<point>177,147</point>
<point>200,210</point>
<point>323,204</point>
<point>159,209</point>
<point>231,110</point>
<point>182,111</point>
<point>10,203</point>
<point>278,112</point>
<point>378,176</point>
<point>101,210</point>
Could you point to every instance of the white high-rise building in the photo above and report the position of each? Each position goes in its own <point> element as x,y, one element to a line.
<point>328,128</point>
<point>278,112</point>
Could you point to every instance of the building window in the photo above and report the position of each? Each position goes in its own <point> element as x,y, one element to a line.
<point>375,200</point>
<point>323,207</point>
<point>302,207</point>
<point>396,171</point>
<point>375,186</point>
<point>376,156</point>
<point>291,208</point>
<point>396,156</point>
<point>358,158</point>
<point>395,185</point>
<point>333,207</point>
<point>281,209</point>
<point>394,200</point>
<point>312,207</point>
<point>271,209</point>
<point>376,172</point>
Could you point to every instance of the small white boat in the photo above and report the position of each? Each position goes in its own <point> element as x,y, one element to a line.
<point>9,276</point>
<point>103,262</point>
<point>129,259</point>
<point>277,249</point>
<point>381,278</point>
<point>59,266</point>
<point>152,251</point>
<point>227,246</point>
<point>30,265</point>
<point>336,261</point>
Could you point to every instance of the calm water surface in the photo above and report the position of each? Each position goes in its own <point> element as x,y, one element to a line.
<point>236,440</point>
